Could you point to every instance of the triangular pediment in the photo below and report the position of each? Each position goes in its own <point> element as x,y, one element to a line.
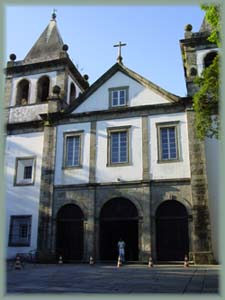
<point>141,91</point>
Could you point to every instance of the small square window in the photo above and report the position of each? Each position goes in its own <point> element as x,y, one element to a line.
<point>25,169</point>
<point>118,96</point>
<point>72,150</point>
<point>20,231</point>
<point>168,149</point>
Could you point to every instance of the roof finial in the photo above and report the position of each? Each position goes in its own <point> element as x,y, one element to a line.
<point>119,58</point>
<point>54,14</point>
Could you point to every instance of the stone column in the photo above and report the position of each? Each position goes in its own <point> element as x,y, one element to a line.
<point>146,223</point>
<point>201,236</point>
<point>92,164</point>
<point>7,95</point>
<point>46,193</point>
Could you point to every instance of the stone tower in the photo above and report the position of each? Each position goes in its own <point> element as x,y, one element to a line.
<point>198,53</point>
<point>45,81</point>
<point>29,82</point>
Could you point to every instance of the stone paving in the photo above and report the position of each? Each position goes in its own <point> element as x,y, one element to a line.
<point>108,279</point>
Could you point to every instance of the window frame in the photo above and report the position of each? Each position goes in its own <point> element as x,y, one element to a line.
<point>11,242</point>
<point>79,133</point>
<point>176,126</point>
<point>118,89</point>
<point>111,130</point>
<point>23,181</point>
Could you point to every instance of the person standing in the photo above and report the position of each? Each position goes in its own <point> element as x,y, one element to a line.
<point>121,249</point>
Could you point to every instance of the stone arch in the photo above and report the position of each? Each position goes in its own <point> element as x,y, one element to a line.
<point>23,91</point>
<point>43,86</point>
<point>70,232</point>
<point>183,201</point>
<point>119,218</point>
<point>131,198</point>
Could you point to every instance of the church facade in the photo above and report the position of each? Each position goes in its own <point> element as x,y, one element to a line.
<point>88,165</point>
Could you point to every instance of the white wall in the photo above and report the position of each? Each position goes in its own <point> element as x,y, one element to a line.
<point>73,175</point>
<point>212,164</point>
<point>170,170</point>
<point>106,173</point>
<point>27,113</point>
<point>138,94</point>
<point>22,200</point>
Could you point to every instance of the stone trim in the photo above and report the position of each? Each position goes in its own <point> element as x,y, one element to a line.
<point>117,113</point>
<point>33,158</point>
<point>92,164</point>
<point>145,149</point>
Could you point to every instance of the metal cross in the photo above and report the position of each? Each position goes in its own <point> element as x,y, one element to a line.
<point>119,58</point>
<point>54,14</point>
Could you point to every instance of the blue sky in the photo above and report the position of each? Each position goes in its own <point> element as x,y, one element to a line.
<point>152,35</point>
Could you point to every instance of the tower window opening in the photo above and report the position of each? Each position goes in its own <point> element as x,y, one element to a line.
<point>208,60</point>
<point>43,89</point>
<point>22,92</point>
<point>72,92</point>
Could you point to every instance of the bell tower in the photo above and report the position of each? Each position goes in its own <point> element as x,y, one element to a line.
<point>30,82</point>
<point>197,53</point>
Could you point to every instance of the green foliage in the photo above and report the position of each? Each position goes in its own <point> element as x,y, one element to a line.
<point>213,18</point>
<point>206,100</point>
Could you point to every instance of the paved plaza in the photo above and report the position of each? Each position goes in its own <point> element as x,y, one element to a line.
<point>108,279</point>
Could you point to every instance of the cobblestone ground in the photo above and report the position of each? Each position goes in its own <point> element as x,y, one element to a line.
<point>108,279</point>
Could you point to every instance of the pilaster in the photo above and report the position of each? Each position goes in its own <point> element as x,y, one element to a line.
<point>46,193</point>
<point>202,249</point>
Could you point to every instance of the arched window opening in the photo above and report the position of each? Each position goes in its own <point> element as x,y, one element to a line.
<point>72,92</point>
<point>208,60</point>
<point>22,92</point>
<point>43,89</point>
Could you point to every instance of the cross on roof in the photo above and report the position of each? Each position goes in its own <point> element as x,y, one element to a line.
<point>119,58</point>
<point>54,14</point>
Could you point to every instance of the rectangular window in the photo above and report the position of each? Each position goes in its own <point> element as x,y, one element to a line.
<point>72,150</point>
<point>118,146</point>
<point>20,231</point>
<point>168,142</point>
<point>25,170</point>
<point>118,96</point>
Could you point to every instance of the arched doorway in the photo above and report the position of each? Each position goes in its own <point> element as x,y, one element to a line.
<point>172,241</point>
<point>118,218</point>
<point>70,232</point>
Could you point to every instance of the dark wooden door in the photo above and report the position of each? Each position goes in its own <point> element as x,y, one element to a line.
<point>119,219</point>
<point>70,233</point>
<point>171,232</point>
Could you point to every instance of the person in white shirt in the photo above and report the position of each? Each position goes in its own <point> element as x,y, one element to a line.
<point>121,248</point>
